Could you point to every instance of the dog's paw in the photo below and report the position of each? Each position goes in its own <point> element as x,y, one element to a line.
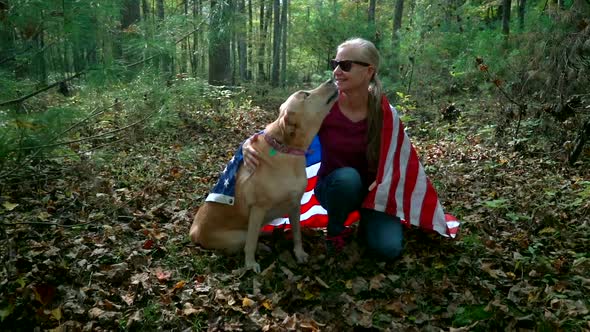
<point>253,266</point>
<point>301,256</point>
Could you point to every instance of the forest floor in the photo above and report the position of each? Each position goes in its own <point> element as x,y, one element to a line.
<point>101,242</point>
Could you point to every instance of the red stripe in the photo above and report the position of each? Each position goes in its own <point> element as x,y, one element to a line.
<point>316,221</point>
<point>369,201</point>
<point>311,183</point>
<point>392,202</point>
<point>428,206</point>
<point>311,203</point>
<point>410,181</point>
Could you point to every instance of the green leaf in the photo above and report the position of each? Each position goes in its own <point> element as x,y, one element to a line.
<point>5,312</point>
<point>496,203</point>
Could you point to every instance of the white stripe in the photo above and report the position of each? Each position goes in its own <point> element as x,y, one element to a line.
<point>315,210</point>
<point>307,196</point>
<point>312,170</point>
<point>382,194</point>
<point>438,222</point>
<point>418,197</point>
<point>403,164</point>
<point>220,198</point>
<point>453,224</point>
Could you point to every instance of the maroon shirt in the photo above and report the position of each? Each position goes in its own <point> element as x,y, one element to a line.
<point>344,144</point>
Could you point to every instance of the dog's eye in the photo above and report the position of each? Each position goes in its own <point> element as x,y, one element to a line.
<point>305,94</point>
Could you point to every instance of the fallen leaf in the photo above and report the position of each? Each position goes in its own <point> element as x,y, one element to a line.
<point>56,314</point>
<point>179,285</point>
<point>321,282</point>
<point>9,206</point>
<point>148,244</point>
<point>246,302</point>
<point>267,303</point>
<point>163,276</point>
<point>377,281</point>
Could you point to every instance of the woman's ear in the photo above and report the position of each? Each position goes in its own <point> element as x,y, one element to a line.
<point>371,71</point>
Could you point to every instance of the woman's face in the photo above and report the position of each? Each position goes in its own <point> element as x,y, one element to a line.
<point>358,77</point>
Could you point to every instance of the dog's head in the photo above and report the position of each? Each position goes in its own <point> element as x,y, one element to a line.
<point>303,112</point>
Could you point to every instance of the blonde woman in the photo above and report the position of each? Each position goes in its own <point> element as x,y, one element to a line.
<point>350,139</point>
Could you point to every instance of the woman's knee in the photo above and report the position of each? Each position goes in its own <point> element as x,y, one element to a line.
<point>346,180</point>
<point>386,249</point>
<point>383,234</point>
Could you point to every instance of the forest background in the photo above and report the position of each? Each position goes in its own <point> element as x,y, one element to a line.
<point>116,117</point>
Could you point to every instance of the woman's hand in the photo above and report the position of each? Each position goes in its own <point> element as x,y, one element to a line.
<point>250,154</point>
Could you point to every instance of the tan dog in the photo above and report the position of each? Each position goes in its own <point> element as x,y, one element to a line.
<point>277,184</point>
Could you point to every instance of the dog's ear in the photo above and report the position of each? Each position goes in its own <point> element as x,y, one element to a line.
<point>290,125</point>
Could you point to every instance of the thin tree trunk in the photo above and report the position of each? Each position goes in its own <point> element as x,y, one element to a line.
<point>267,40</point>
<point>371,20</point>
<point>41,67</point>
<point>184,47</point>
<point>262,35</point>
<point>396,37</point>
<point>506,4</point>
<point>233,42</point>
<point>194,57</point>
<point>521,13</point>
<point>219,45</point>
<point>250,39</point>
<point>166,60</point>
<point>276,44</point>
<point>284,24</point>
<point>6,35</point>
<point>241,29</point>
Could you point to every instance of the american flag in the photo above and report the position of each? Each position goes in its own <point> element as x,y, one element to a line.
<point>403,189</point>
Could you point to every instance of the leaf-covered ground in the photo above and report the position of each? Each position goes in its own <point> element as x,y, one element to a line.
<point>101,242</point>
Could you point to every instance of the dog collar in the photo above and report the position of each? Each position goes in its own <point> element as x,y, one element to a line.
<point>280,147</point>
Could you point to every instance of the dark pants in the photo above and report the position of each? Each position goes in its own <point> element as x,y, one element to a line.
<point>342,192</point>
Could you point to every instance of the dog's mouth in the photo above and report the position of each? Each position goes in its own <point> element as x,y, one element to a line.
<point>332,97</point>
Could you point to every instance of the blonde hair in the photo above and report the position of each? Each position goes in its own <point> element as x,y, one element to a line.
<point>370,54</point>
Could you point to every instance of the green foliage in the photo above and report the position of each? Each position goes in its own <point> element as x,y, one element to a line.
<point>469,314</point>
<point>25,134</point>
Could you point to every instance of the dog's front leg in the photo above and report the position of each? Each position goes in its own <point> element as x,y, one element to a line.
<point>294,217</point>
<point>254,224</point>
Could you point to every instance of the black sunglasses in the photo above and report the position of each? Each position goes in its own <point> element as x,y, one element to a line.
<point>346,65</point>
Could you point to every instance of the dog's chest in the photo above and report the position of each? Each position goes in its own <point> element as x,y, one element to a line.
<point>290,202</point>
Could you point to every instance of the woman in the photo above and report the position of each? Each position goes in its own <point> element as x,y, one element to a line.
<point>350,140</point>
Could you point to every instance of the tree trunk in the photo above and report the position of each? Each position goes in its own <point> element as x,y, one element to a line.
<point>276,44</point>
<point>241,29</point>
<point>250,39</point>
<point>396,38</point>
<point>6,35</point>
<point>233,46</point>
<point>146,9</point>
<point>262,35</point>
<point>284,24</point>
<point>506,4</point>
<point>165,60</point>
<point>195,47</point>
<point>267,40</point>
<point>129,15</point>
<point>371,20</point>
<point>521,12</point>
<point>40,66</point>
<point>184,47</point>
<point>219,47</point>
